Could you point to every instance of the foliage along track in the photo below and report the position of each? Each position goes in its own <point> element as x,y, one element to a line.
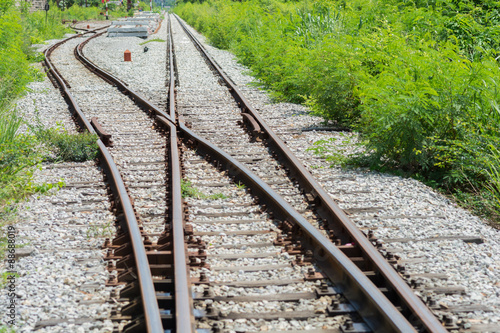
<point>314,204</point>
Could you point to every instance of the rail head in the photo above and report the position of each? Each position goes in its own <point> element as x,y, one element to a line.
<point>184,316</point>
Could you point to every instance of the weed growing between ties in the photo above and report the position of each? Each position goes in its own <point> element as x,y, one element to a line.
<point>190,191</point>
<point>66,147</point>
<point>417,80</point>
<point>101,231</point>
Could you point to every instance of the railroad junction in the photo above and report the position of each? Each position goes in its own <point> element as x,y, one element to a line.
<point>206,212</point>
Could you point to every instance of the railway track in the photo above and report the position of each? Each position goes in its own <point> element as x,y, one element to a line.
<point>267,249</point>
<point>138,171</point>
<point>427,239</point>
<point>263,152</point>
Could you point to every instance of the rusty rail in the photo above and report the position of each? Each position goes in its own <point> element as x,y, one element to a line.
<point>346,230</point>
<point>184,317</point>
<point>172,71</point>
<point>150,304</point>
<point>183,301</point>
<point>103,135</point>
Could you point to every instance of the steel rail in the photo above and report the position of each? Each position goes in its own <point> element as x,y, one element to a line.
<point>184,317</point>
<point>422,317</point>
<point>149,301</point>
<point>172,70</point>
<point>183,301</point>
<point>78,29</point>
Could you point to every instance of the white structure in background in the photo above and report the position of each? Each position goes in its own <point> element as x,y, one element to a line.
<point>141,25</point>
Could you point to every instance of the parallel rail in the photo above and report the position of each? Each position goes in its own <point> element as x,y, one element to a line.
<point>183,300</point>
<point>184,318</point>
<point>376,314</point>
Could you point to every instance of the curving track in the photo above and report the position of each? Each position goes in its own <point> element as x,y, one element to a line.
<point>138,177</point>
<point>263,232</point>
<point>308,198</point>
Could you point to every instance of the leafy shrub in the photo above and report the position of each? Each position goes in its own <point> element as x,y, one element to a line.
<point>81,13</point>
<point>74,147</point>
<point>67,147</point>
<point>17,155</point>
<point>417,79</point>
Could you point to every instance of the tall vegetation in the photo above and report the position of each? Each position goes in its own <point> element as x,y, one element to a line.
<point>417,79</point>
<point>19,29</point>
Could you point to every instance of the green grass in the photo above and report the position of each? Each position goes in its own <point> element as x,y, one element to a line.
<point>493,186</point>
<point>106,230</point>
<point>18,154</point>
<point>190,191</point>
<point>481,203</point>
<point>65,147</point>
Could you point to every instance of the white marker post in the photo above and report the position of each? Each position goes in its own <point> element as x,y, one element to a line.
<point>106,9</point>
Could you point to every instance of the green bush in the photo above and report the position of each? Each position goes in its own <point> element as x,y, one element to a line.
<point>81,13</point>
<point>417,79</point>
<point>19,29</point>
<point>67,147</point>
<point>493,186</point>
<point>17,155</point>
<point>73,147</point>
